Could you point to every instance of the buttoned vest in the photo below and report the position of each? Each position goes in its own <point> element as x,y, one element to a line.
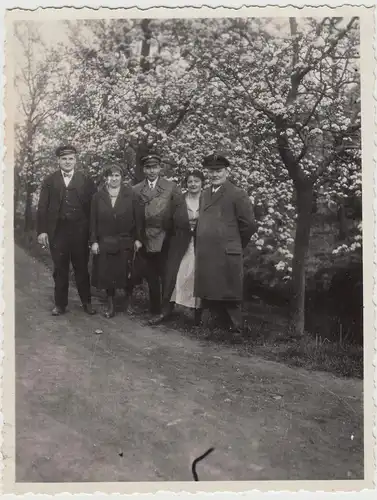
<point>71,208</point>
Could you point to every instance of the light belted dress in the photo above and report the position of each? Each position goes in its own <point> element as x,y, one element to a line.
<point>183,246</point>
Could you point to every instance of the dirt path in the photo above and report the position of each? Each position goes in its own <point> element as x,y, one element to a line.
<point>139,404</point>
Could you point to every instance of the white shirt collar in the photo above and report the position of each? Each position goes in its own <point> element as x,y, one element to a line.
<point>67,177</point>
<point>152,184</point>
<point>67,174</point>
<point>215,189</point>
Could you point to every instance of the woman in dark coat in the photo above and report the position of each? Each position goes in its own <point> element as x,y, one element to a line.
<point>180,268</point>
<point>115,232</point>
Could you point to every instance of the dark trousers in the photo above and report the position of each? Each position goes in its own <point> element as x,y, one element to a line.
<point>154,269</point>
<point>111,292</point>
<point>228,310</point>
<point>70,244</point>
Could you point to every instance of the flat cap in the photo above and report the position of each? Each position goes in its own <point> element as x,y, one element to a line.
<point>215,162</point>
<point>64,150</point>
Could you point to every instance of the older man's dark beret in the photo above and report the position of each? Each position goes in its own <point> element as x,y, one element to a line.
<point>64,150</point>
<point>215,162</point>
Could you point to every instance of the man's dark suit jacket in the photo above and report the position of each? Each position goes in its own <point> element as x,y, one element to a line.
<point>51,196</point>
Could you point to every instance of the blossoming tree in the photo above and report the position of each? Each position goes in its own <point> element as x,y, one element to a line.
<point>280,97</point>
<point>301,81</point>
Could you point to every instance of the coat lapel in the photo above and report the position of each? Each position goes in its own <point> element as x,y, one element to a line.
<point>183,209</point>
<point>209,199</point>
<point>59,183</point>
<point>205,198</point>
<point>119,203</point>
<point>159,187</point>
<point>121,200</point>
<point>201,200</point>
<point>77,181</point>
<point>147,195</point>
<point>106,197</point>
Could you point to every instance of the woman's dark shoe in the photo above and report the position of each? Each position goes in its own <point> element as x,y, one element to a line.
<point>110,312</point>
<point>127,303</point>
<point>128,309</point>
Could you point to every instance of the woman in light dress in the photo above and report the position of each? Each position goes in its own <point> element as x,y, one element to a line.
<point>180,263</point>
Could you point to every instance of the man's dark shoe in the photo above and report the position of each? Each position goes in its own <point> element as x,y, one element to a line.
<point>198,313</point>
<point>88,308</point>
<point>240,329</point>
<point>57,311</point>
<point>236,329</point>
<point>163,316</point>
<point>128,309</point>
<point>110,311</point>
<point>157,320</point>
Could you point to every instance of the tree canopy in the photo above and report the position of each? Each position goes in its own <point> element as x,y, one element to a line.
<point>280,97</point>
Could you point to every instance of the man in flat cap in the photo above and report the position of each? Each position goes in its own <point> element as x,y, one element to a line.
<point>156,196</point>
<point>225,226</point>
<point>63,226</point>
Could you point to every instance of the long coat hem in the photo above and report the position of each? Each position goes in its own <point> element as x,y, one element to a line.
<point>226,224</point>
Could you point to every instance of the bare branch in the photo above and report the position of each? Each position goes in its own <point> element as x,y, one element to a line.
<point>297,77</point>
<point>253,101</point>
<point>180,117</point>
<point>316,104</point>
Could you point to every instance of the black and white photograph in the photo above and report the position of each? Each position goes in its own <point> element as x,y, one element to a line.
<point>192,203</point>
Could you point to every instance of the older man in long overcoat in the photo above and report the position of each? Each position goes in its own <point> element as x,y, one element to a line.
<point>155,195</point>
<point>226,224</point>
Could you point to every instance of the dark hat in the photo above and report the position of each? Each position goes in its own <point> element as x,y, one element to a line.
<point>194,173</point>
<point>109,167</point>
<point>215,162</point>
<point>150,159</point>
<point>65,150</point>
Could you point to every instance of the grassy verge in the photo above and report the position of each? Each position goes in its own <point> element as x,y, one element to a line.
<point>265,337</point>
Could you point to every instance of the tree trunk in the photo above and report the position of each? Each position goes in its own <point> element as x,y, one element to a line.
<point>342,219</point>
<point>16,193</point>
<point>28,213</point>
<point>143,108</point>
<point>139,171</point>
<point>304,192</point>
<point>145,45</point>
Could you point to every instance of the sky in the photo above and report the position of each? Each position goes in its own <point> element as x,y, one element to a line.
<point>55,32</point>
